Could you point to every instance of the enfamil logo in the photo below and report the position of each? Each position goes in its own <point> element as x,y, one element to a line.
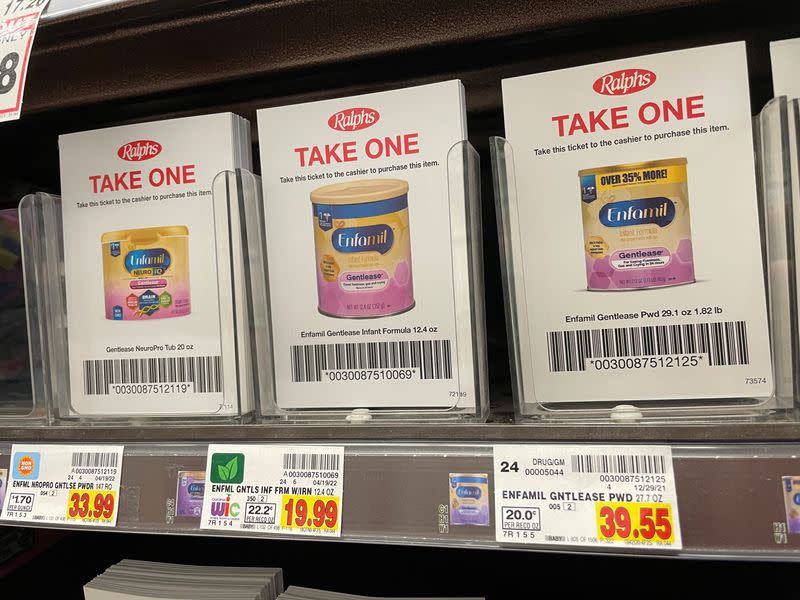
<point>625,81</point>
<point>26,465</point>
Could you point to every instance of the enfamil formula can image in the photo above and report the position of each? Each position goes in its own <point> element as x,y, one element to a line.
<point>636,225</point>
<point>469,499</point>
<point>791,497</point>
<point>146,273</point>
<point>363,248</point>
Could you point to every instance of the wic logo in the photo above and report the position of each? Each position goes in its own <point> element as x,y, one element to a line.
<point>224,507</point>
<point>625,81</point>
<point>227,468</point>
<point>353,119</point>
<point>139,150</point>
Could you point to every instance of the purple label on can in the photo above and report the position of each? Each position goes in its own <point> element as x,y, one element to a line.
<point>189,500</point>
<point>469,499</point>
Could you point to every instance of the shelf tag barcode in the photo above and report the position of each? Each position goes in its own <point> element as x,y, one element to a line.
<point>618,463</point>
<point>725,343</point>
<point>205,372</point>
<point>311,462</point>
<point>431,357</point>
<point>94,459</point>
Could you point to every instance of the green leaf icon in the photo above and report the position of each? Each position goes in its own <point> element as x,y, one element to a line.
<point>232,468</point>
<point>227,467</point>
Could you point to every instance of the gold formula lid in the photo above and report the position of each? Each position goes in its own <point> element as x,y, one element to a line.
<point>145,235</point>
<point>359,191</point>
<point>651,164</point>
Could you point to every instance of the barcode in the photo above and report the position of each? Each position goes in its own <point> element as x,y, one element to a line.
<point>431,357</point>
<point>624,464</point>
<point>311,462</point>
<point>94,459</point>
<point>725,343</point>
<point>205,372</point>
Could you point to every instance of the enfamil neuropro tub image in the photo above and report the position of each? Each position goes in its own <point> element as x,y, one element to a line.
<point>363,248</point>
<point>146,273</point>
<point>636,225</point>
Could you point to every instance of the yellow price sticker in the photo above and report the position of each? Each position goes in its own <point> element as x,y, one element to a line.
<point>91,505</point>
<point>635,521</point>
<point>310,512</point>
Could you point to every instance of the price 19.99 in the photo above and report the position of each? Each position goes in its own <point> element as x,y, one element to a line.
<point>310,512</point>
<point>634,522</point>
<point>91,505</point>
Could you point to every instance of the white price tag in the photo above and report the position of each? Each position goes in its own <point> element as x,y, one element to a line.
<point>61,485</point>
<point>18,22</point>
<point>295,490</point>
<point>3,478</point>
<point>579,495</point>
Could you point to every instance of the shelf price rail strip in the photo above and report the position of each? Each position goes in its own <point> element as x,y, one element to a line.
<point>730,495</point>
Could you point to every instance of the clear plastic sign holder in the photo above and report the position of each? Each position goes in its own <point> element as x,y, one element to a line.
<point>517,293</point>
<point>466,242</point>
<point>42,239</point>
<point>778,130</point>
<point>40,219</point>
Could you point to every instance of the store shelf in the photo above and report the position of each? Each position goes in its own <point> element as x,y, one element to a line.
<point>729,495</point>
<point>723,433</point>
<point>120,61</point>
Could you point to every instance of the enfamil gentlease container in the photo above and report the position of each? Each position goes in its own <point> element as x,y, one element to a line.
<point>146,273</point>
<point>363,248</point>
<point>636,225</point>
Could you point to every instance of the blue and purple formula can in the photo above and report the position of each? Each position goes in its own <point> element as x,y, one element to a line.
<point>636,227</point>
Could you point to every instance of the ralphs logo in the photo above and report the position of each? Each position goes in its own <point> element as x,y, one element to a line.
<point>370,238</point>
<point>658,211</point>
<point>139,150</point>
<point>353,119</point>
<point>626,81</point>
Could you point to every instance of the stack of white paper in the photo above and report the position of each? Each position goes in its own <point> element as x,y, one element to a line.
<point>131,579</point>
<point>366,250</point>
<point>148,269</point>
<point>592,141</point>
<point>301,593</point>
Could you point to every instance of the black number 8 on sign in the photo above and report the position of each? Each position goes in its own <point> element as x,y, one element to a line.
<point>8,72</point>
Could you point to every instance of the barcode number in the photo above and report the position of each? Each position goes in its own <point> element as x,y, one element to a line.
<point>725,343</point>
<point>615,463</point>
<point>94,459</point>
<point>431,357</point>
<point>205,372</point>
<point>311,462</point>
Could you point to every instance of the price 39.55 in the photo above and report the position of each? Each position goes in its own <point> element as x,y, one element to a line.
<point>634,521</point>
